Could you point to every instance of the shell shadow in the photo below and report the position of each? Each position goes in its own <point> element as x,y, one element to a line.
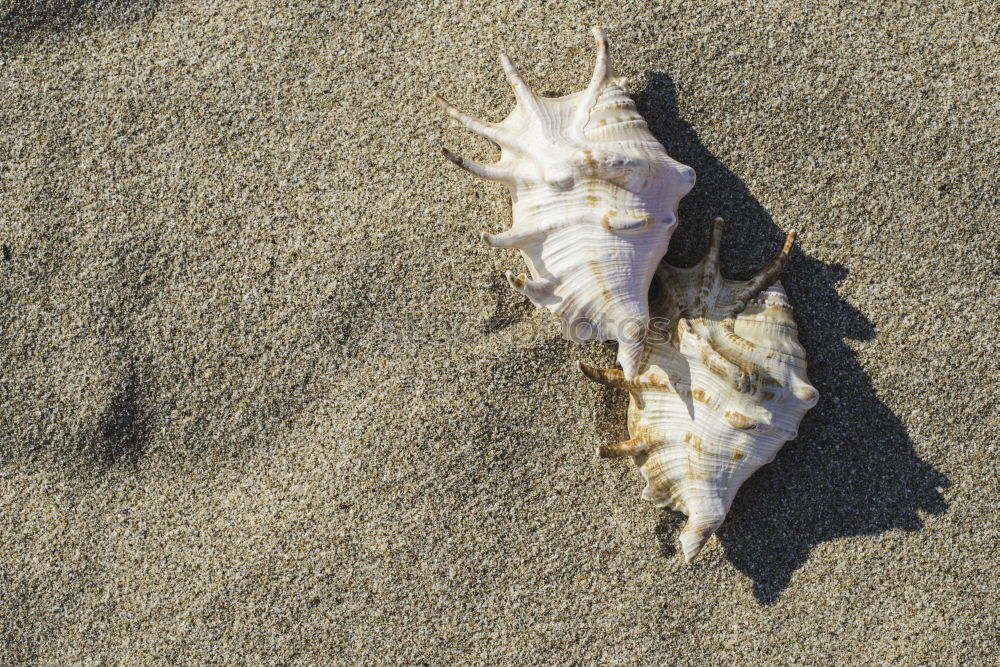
<point>852,470</point>
<point>506,311</point>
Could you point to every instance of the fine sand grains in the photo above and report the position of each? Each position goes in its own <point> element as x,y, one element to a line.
<point>266,398</point>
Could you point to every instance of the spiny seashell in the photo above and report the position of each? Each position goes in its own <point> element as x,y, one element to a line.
<point>722,387</point>
<point>594,198</point>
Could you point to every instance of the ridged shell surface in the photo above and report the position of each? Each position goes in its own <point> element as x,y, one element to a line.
<point>594,199</point>
<point>722,386</point>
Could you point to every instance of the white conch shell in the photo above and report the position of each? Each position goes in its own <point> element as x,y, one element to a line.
<point>722,387</point>
<point>594,198</point>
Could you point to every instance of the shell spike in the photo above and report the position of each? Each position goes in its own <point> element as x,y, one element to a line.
<point>612,377</point>
<point>536,290</point>
<point>630,353</point>
<point>603,74</point>
<point>806,393</point>
<point>709,267</point>
<point>633,447</point>
<point>696,534</point>
<point>480,127</point>
<point>522,93</point>
<point>509,239</point>
<point>486,171</point>
<point>765,277</point>
<point>603,69</point>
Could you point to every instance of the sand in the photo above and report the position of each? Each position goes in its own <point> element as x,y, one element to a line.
<point>266,398</point>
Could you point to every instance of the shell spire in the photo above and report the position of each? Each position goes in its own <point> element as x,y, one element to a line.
<point>594,198</point>
<point>721,388</point>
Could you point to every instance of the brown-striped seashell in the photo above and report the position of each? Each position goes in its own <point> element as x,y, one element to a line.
<point>594,198</point>
<point>722,386</point>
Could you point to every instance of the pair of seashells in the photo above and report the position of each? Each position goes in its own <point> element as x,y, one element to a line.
<point>715,373</point>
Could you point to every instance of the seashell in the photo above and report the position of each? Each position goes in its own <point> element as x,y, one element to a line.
<point>594,198</point>
<point>722,387</point>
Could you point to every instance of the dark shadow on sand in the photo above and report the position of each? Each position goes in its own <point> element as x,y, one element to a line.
<point>123,431</point>
<point>852,470</point>
<point>28,17</point>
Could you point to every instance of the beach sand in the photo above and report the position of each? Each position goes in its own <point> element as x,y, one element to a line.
<point>266,397</point>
